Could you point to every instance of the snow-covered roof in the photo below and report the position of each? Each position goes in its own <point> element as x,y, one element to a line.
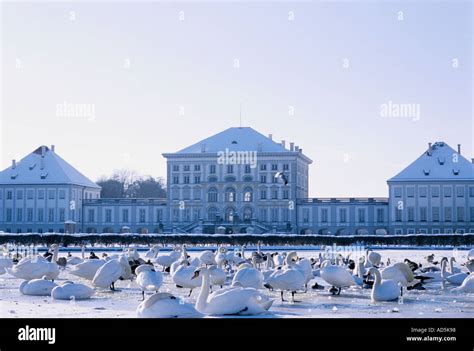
<point>235,139</point>
<point>47,169</point>
<point>440,162</point>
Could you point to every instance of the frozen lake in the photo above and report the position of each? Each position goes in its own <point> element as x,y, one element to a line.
<point>432,302</point>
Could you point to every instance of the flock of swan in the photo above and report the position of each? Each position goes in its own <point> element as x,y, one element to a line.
<point>230,283</point>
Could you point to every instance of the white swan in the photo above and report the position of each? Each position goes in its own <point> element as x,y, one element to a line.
<point>164,305</point>
<point>37,287</point>
<point>337,276</point>
<point>218,276</point>
<point>288,278</point>
<point>470,255</point>
<point>35,268</point>
<point>400,272</point>
<point>208,258</point>
<point>183,277</point>
<point>72,261</point>
<point>110,272</point>
<point>69,290</point>
<point>305,267</point>
<point>153,252</point>
<point>374,257</point>
<point>248,276</point>
<point>467,285</point>
<point>383,290</point>
<point>5,262</point>
<point>148,279</point>
<point>455,279</point>
<point>221,256</point>
<point>230,300</point>
<point>166,260</point>
<point>87,269</point>
<point>452,269</point>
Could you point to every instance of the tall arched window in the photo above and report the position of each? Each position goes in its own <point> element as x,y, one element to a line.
<point>248,212</point>
<point>230,194</point>
<point>212,195</point>
<point>248,195</point>
<point>197,193</point>
<point>187,193</point>
<point>211,213</point>
<point>229,214</point>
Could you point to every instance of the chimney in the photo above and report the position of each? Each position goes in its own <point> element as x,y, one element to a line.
<point>270,136</point>
<point>297,148</point>
<point>43,150</point>
<point>301,150</point>
<point>203,147</point>
<point>292,146</point>
<point>52,148</point>
<point>459,149</point>
<point>42,163</point>
<point>283,143</point>
<point>429,149</point>
<point>13,164</point>
<point>472,160</point>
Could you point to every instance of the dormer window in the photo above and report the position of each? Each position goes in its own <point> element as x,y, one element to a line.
<point>426,172</point>
<point>234,142</point>
<point>441,160</point>
<point>44,175</point>
<point>32,166</point>
<point>456,171</point>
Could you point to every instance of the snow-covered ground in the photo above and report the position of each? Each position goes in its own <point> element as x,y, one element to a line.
<point>432,302</point>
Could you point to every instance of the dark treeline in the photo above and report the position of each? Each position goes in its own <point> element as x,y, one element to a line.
<point>128,184</point>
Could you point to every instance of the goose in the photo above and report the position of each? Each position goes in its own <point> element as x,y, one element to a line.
<point>208,258</point>
<point>165,305</point>
<point>229,301</point>
<point>37,287</point>
<point>35,268</point>
<point>110,272</point>
<point>455,279</point>
<point>183,277</point>
<point>288,278</point>
<point>383,290</point>
<point>248,276</point>
<point>69,290</point>
<point>336,276</point>
<point>467,285</point>
<point>166,260</point>
<point>5,262</point>
<point>87,269</point>
<point>148,279</point>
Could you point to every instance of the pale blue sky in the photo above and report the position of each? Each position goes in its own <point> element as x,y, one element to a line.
<point>47,59</point>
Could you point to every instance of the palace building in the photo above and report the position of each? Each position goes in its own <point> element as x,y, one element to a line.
<point>239,181</point>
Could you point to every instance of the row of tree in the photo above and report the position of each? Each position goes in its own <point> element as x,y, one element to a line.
<point>128,184</point>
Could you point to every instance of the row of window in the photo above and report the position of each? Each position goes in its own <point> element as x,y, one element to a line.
<point>41,215</point>
<point>41,194</point>
<point>230,194</point>
<point>125,215</point>
<point>230,214</point>
<point>229,168</point>
<point>433,231</point>
<point>435,191</point>
<point>342,215</point>
<point>435,214</point>
<point>186,179</point>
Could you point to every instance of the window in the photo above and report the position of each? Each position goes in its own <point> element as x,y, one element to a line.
<point>324,215</point>
<point>263,167</point>
<point>460,191</point>
<point>197,193</point>
<point>263,194</point>
<point>19,194</point>
<point>398,214</point>
<point>186,180</point>
<point>274,214</point>
<point>108,215</point>
<point>212,195</point>
<point>51,194</point>
<point>380,215</point>
<point>40,215</point>
<point>274,194</point>
<point>285,213</point>
<point>125,215</point>
<point>159,214</point>
<point>248,195</point>
<point>175,215</point>
<point>361,215</point>
<point>62,194</point>
<point>448,213</point>
<point>447,191</point>
<point>175,193</point>
<point>197,168</point>
<point>9,195</point>
<point>247,169</point>
<point>286,167</point>
<point>471,191</point>
<point>398,231</point>
<point>212,214</point>
<point>435,191</point>
<point>175,179</point>
<point>197,179</point>
<point>186,168</point>
<point>435,214</point>
<point>263,214</point>
<point>30,194</point>
<point>411,214</point>
<point>230,169</point>
<point>19,214</point>
<point>460,214</point>
<point>423,214</point>
<point>471,210</point>
<point>422,191</point>
<point>286,194</point>
<point>29,215</point>
<point>196,214</point>
<point>62,214</point>
<point>91,215</point>
<point>305,215</point>
<point>274,167</point>
<point>397,191</point>
<point>410,191</point>
<point>274,179</point>
<point>9,214</point>
<point>142,215</point>
<point>51,215</point>
<point>263,179</point>
<point>186,193</point>
<point>175,168</point>
<point>212,169</point>
<point>342,215</point>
